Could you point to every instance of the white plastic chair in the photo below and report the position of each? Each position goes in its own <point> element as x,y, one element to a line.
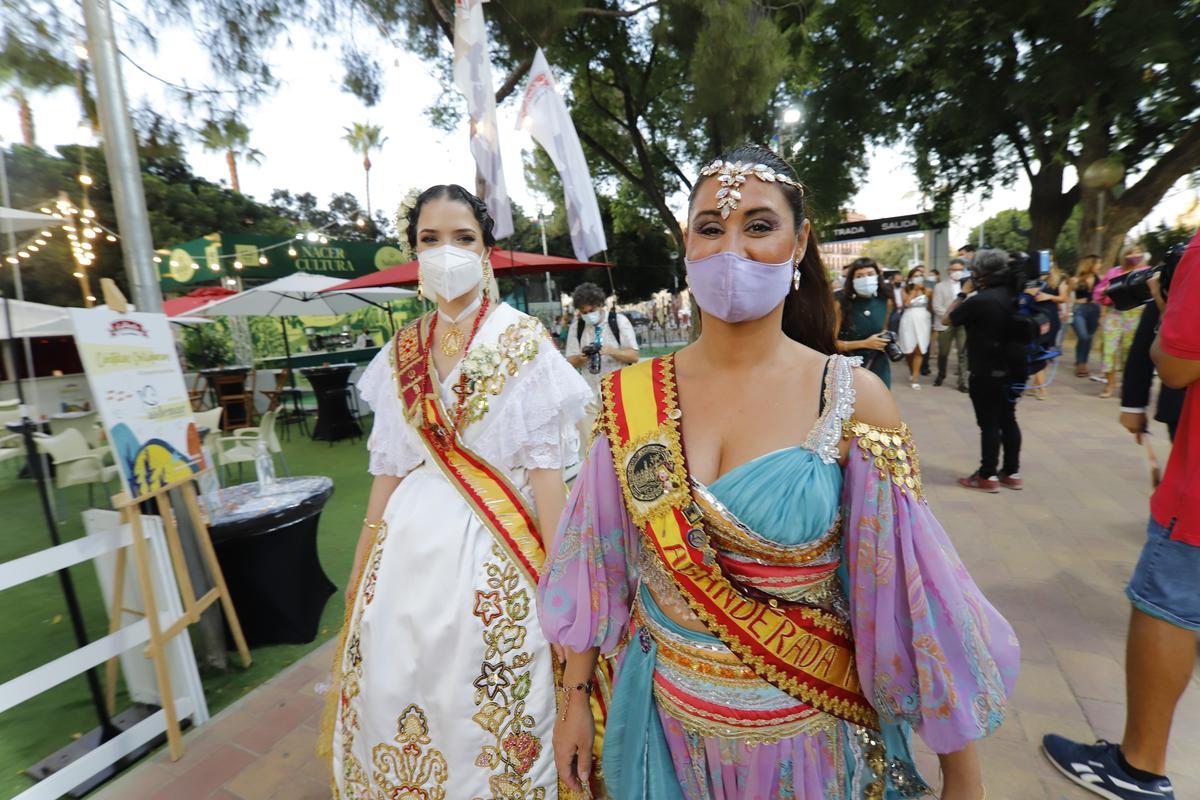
<point>74,462</point>
<point>87,424</point>
<point>242,444</point>
<point>210,419</point>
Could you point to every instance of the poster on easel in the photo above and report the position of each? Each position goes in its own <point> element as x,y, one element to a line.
<point>138,388</point>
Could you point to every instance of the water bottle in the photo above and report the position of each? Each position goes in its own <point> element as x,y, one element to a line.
<point>264,466</point>
<point>208,482</point>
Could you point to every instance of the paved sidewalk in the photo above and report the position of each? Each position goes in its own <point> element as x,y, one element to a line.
<point>1054,558</point>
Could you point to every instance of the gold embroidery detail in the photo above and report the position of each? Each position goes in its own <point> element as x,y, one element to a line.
<point>517,346</point>
<point>672,472</point>
<point>504,683</point>
<point>412,771</point>
<point>892,451</point>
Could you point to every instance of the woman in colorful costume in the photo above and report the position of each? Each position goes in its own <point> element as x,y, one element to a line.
<point>785,617</point>
<point>445,681</point>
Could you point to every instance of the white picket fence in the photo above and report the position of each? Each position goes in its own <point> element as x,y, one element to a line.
<point>185,677</point>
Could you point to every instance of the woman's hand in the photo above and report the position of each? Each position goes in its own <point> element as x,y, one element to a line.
<point>573,738</point>
<point>875,341</point>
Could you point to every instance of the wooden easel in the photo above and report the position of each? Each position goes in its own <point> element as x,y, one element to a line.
<point>131,514</point>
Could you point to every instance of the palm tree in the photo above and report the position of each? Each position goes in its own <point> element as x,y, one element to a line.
<point>363,138</point>
<point>26,68</point>
<point>231,137</point>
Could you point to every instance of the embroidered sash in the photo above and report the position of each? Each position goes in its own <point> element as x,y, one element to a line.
<point>490,494</point>
<point>804,651</point>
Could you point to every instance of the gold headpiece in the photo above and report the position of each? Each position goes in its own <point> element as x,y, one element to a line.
<point>733,175</point>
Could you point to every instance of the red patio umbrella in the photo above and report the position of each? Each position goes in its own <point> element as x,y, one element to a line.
<point>194,299</point>
<point>504,262</point>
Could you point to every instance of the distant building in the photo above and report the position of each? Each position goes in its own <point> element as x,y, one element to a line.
<point>838,255</point>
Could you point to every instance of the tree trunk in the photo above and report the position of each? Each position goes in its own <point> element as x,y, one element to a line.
<point>1049,207</point>
<point>26,115</point>
<point>367,173</point>
<point>1138,200</point>
<point>231,160</point>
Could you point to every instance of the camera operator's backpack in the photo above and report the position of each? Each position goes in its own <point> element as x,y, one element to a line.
<point>1023,349</point>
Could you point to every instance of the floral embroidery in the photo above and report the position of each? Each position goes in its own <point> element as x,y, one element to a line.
<point>488,367</point>
<point>504,683</point>
<point>368,589</point>
<point>412,771</point>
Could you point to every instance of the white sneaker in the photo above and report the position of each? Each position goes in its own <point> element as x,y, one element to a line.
<point>917,386</point>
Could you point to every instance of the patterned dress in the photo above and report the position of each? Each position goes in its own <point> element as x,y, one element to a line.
<point>688,719</point>
<point>447,690</point>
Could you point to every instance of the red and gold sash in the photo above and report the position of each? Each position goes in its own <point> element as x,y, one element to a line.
<point>495,500</point>
<point>489,493</point>
<point>804,651</point>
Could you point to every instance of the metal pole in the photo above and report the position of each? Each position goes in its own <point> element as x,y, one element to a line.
<point>120,148</point>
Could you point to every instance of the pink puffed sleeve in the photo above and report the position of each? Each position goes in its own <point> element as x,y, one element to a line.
<point>587,586</point>
<point>931,649</point>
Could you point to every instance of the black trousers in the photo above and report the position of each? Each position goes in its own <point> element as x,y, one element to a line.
<point>996,416</point>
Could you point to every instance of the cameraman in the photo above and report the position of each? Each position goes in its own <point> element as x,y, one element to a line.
<point>986,315</point>
<point>1165,587</point>
<point>599,342</point>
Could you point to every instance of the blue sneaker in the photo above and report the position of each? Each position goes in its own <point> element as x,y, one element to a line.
<point>1096,768</point>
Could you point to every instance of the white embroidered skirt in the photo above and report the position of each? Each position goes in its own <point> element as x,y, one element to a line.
<point>447,688</point>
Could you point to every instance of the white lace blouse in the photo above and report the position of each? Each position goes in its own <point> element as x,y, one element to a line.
<point>530,424</point>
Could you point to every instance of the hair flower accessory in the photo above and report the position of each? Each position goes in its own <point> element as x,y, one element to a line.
<point>732,176</point>
<point>406,206</point>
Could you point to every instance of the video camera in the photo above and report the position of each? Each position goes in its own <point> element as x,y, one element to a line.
<point>1133,288</point>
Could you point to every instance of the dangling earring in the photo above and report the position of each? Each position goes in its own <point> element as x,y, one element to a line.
<point>796,276</point>
<point>487,277</point>
<point>420,284</point>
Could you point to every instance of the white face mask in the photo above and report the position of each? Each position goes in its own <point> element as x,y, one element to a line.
<point>956,275</point>
<point>449,272</point>
<point>867,286</point>
<point>592,317</point>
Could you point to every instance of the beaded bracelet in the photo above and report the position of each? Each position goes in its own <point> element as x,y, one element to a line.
<point>565,691</point>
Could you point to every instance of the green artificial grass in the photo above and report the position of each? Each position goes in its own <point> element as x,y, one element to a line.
<point>34,628</point>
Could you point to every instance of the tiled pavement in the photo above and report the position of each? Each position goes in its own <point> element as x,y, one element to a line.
<point>1053,558</point>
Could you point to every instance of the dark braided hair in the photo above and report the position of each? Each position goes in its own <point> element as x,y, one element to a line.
<point>808,315</point>
<point>451,191</point>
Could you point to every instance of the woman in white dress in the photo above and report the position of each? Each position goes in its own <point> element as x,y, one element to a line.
<point>915,323</point>
<point>444,680</point>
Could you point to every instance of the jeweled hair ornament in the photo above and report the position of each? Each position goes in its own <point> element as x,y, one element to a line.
<point>733,174</point>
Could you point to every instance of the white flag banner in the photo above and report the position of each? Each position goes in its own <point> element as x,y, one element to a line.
<point>473,77</point>
<point>544,115</point>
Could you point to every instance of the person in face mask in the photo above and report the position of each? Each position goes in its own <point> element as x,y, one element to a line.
<point>1117,327</point>
<point>707,529</point>
<point>950,336</point>
<point>475,418</point>
<point>599,342</point>
<point>863,313</point>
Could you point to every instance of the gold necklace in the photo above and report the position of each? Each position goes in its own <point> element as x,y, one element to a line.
<point>452,340</point>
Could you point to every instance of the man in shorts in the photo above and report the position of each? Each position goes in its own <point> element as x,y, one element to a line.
<point>1165,587</point>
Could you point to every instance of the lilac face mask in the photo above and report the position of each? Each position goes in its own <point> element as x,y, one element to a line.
<point>736,289</point>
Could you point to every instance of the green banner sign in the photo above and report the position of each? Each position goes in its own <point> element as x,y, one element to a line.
<point>256,259</point>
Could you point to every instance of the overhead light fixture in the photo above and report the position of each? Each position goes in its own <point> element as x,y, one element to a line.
<point>39,241</point>
<point>292,252</point>
<point>262,259</point>
<point>44,210</point>
<point>324,240</point>
<point>195,265</point>
<point>13,260</point>
<point>77,274</point>
<point>85,179</point>
<point>360,222</point>
<point>312,237</point>
<point>46,233</point>
<point>111,238</point>
<point>237,265</point>
<point>81,51</point>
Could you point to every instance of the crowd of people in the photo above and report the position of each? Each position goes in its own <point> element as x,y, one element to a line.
<point>731,603</point>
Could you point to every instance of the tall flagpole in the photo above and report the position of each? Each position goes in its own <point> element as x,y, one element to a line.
<point>120,149</point>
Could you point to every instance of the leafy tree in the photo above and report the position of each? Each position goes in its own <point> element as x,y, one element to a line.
<point>30,63</point>
<point>1161,238</point>
<point>893,253</point>
<point>344,218</point>
<point>363,138</point>
<point>986,91</point>
<point>230,136</point>
<point>1010,230</point>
